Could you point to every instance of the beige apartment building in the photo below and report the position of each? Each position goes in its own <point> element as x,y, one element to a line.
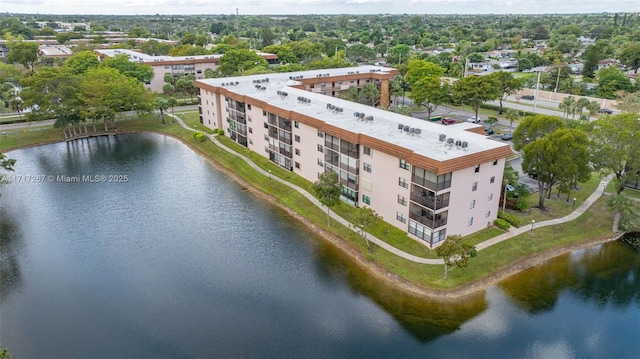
<point>175,65</point>
<point>425,178</point>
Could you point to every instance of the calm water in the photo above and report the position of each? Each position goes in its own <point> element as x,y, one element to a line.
<point>181,262</point>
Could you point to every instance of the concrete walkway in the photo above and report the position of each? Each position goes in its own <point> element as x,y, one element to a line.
<point>382,244</point>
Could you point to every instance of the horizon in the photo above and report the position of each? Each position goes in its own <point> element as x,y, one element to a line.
<point>312,7</point>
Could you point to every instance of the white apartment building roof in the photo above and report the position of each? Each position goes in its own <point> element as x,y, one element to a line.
<point>383,125</point>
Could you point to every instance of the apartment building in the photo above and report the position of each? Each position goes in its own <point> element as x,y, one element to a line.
<point>174,65</point>
<point>427,179</point>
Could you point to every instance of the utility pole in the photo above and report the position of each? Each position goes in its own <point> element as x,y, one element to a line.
<point>237,18</point>
<point>535,94</point>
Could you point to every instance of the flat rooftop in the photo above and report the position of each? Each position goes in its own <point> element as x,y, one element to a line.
<point>377,123</point>
<point>136,56</point>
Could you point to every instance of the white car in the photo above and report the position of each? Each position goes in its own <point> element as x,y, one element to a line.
<point>473,119</point>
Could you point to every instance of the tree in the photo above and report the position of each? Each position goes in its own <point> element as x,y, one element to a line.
<point>627,212</point>
<point>559,157</point>
<point>327,189</point>
<point>610,81</point>
<point>398,86</point>
<point>352,94</point>
<point>161,104</point>
<point>615,146</point>
<point>371,92</point>
<point>508,85</point>
<point>568,106</point>
<point>22,52</point>
<point>533,127</point>
<point>430,92</point>
<point>581,104</point>
<point>419,69</point>
<point>455,253</point>
<point>630,56</point>
<point>593,108</point>
<point>237,61</point>
<point>50,93</point>
<point>512,115</point>
<point>120,62</point>
<point>285,54</point>
<point>629,102</point>
<point>172,102</point>
<point>80,62</point>
<point>360,52</point>
<point>105,91</point>
<point>362,219</point>
<point>475,90</point>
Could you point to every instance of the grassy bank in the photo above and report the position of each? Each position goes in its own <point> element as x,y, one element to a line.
<point>596,222</point>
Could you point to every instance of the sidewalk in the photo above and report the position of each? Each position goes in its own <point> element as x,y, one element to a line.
<point>382,244</point>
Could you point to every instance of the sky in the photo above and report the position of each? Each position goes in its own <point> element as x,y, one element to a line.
<point>286,7</point>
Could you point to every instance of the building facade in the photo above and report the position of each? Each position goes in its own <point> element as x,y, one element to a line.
<point>427,179</point>
<point>175,65</point>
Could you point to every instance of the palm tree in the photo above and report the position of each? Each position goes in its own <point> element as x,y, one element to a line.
<point>511,115</point>
<point>371,91</point>
<point>580,105</point>
<point>161,104</point>
<point>568,106</point>
<point>593,108</point>
<point>172,102</point>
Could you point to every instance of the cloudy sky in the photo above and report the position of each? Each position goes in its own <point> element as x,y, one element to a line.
<point>167,7</point>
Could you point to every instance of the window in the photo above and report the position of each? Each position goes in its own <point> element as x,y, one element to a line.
<point>266,125</point>
<point>404,164</point>
<point>297,152</point>
<point>366,167</point>
<point>472,204</point>
<point>297,165</point>
<point>366,150</point>
<point>477,169</point>
<point>250,130</point>
<point>488,214</point>
<point>495,163</point>
<point>402,182</point>
<point>400,217</point>
<point>490,197</point>
<point>470,222</point>
<point>320,163</point>
<point>296,124</point>
<point>297,138</point>
<point>475,186</point>
<point>249,106</point>
<point>493,179</point>
<point>320,134</point>
<point>402,200</point>
<point>366,199</point>
<point>320,149</point>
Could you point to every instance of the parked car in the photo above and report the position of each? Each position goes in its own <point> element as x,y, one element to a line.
<point>473,119</point>
<point>489,130</point>
<point>448,121</point>
<point>605,111</point>
<point>527,97</point>
<point>507,136</point>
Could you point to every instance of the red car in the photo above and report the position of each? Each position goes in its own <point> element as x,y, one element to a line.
<point>448,121</point>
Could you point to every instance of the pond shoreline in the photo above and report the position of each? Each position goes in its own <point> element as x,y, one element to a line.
<point>370,267</point>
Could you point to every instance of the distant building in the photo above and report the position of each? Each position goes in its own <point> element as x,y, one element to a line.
<point>174,65</point>
<point>425,178</point>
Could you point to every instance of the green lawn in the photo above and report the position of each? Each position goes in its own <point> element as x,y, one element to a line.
<point>596,222</point>
<point>558,206</point>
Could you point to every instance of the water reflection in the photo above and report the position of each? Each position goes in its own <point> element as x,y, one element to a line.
<point>425,319</point>
<point>9,246</point>
<point>605,274</point>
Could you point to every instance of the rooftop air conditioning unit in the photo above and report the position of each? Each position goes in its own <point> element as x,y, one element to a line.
<point>450,141</point>
<point>418,131</point>
<point>406,128</point>
<point>465,144</point>
<point>400,126</point>
<point>458,143</point>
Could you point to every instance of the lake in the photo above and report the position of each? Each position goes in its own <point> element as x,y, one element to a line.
<point>177,260</point>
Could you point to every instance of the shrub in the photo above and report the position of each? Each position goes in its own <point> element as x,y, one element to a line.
<point>501,223</point>
<point>510,218</point>
<point>199,136</point>
<point>221,131</point>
